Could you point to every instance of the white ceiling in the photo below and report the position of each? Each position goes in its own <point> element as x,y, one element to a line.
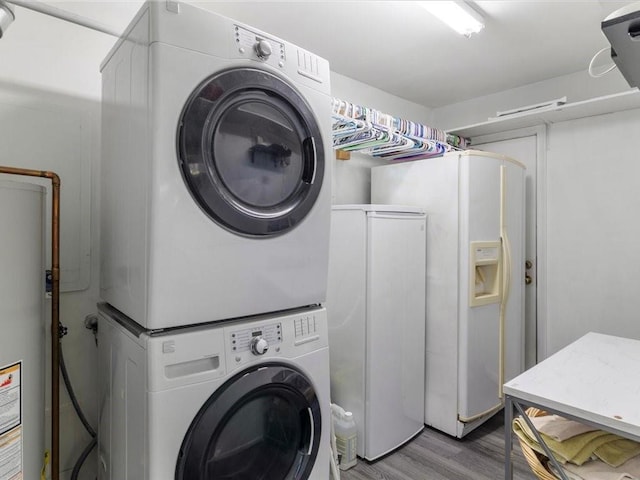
<point>400,48</point>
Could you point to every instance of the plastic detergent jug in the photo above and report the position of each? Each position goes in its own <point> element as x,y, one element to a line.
<point>346,437</point>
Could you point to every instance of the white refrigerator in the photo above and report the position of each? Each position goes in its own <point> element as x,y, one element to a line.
<point>376,317</point>
<point>475,278</point>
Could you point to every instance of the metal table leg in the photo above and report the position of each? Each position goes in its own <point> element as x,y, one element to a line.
<point>508,440</point>
<point>547,452</point>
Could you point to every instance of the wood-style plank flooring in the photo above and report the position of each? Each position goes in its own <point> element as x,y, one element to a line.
<point>432,455</point>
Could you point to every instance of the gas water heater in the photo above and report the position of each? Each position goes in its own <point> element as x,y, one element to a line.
<point>22,330</point>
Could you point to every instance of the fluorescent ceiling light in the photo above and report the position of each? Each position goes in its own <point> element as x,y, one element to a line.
<point>457,14</point>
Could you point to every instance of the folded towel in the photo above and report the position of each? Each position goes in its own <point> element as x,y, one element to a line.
<point>610,448</point>
<point>617,452</point>
<point>560,428</point>
<point>577,449</point>
<point>597,470</point>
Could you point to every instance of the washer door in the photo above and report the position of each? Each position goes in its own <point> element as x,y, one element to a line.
<point>251,152</point>
<point>263,423</point>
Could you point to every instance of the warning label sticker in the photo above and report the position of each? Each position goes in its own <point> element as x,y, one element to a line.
<point>11,422</point>
<point>11,455</point>
<point>10,401</point>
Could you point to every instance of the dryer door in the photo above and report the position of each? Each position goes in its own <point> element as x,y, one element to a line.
<point>251,152</point>
<point>263,423</point>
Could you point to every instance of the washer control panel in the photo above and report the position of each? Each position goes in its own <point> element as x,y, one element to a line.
<point>258,46</point>
<point>274,336</point>
<point>256,340</point>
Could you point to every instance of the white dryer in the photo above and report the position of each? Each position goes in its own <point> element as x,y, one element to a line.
<point>233,400</point>
<point>215,194</point>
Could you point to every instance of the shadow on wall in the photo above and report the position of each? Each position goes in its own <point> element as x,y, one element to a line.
<point>352,178</point>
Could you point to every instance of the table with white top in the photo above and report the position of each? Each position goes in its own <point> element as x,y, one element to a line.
<point>595,380</point>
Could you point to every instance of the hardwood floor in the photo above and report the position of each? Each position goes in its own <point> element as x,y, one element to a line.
<point>432,455</point>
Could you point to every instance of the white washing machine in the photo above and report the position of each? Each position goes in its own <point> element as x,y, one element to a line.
<point>235,400</point>
<point>215,194</point>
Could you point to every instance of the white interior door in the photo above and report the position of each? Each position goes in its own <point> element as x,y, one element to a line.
<point>525,150</point>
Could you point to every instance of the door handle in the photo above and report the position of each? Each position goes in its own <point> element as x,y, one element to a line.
<point>310,160</point>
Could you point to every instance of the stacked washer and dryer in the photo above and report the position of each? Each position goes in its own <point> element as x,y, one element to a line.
<point>215,212</point>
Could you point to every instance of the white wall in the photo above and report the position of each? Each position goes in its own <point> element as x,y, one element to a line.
<point>49,73</point>
<point>352,178</point>
<point>593,227</point>
<point>592,167</point>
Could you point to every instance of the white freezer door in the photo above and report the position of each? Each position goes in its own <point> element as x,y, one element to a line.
<point>479,347</point>
<point>395,331</point>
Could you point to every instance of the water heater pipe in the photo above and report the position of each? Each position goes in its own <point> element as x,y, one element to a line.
<point>55,309</point>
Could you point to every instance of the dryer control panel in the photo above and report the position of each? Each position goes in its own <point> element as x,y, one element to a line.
<point>259,46</point>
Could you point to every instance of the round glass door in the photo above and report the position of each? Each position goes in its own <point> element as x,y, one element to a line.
<point>263,424</point>
<point>251,153</point>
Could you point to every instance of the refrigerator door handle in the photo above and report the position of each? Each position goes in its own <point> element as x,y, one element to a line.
<point>506,277</point>
<point>506,287</point>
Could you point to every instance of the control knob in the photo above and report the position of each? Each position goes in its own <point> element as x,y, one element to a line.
<point>259,345</point>
<point>263,49</point>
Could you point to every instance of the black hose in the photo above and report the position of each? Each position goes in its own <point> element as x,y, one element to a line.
<point>83,456</point>
<point>76,406</point>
